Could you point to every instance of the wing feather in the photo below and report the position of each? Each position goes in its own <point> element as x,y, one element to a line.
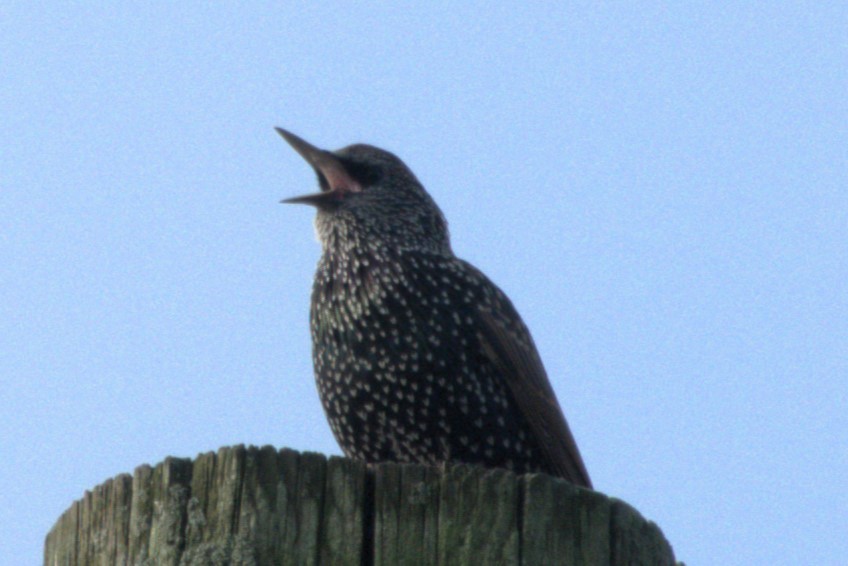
<point>522,370</point>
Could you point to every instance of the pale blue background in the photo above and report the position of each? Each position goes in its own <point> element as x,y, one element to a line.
<point>661,189</point>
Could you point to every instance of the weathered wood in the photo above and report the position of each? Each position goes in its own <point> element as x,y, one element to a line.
<point>478,517</point>
<point>406,514</point>
<point>258,506</point>
<point>344,513</point>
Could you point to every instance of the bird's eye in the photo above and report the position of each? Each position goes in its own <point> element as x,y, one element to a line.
<point>366,175</point>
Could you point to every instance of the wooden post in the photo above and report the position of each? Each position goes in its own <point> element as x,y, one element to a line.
<point>261,506</point>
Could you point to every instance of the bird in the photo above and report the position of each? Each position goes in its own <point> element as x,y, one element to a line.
<point>419,357</point>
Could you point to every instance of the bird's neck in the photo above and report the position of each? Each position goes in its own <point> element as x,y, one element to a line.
<point>343,234</point>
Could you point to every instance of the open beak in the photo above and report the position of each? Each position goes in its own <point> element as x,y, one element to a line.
<point>336,180</point>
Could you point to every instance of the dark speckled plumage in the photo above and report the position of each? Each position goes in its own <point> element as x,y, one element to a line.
<point>418,356</point>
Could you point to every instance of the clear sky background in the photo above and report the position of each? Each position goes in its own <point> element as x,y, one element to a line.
<point>661,188</point>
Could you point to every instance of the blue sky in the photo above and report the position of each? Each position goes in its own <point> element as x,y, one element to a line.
<point>661,189</point>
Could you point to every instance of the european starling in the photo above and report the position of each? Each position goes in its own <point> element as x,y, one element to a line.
<point>418,357</point>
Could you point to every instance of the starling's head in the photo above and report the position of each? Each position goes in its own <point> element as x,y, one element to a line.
<point>369,193</point>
